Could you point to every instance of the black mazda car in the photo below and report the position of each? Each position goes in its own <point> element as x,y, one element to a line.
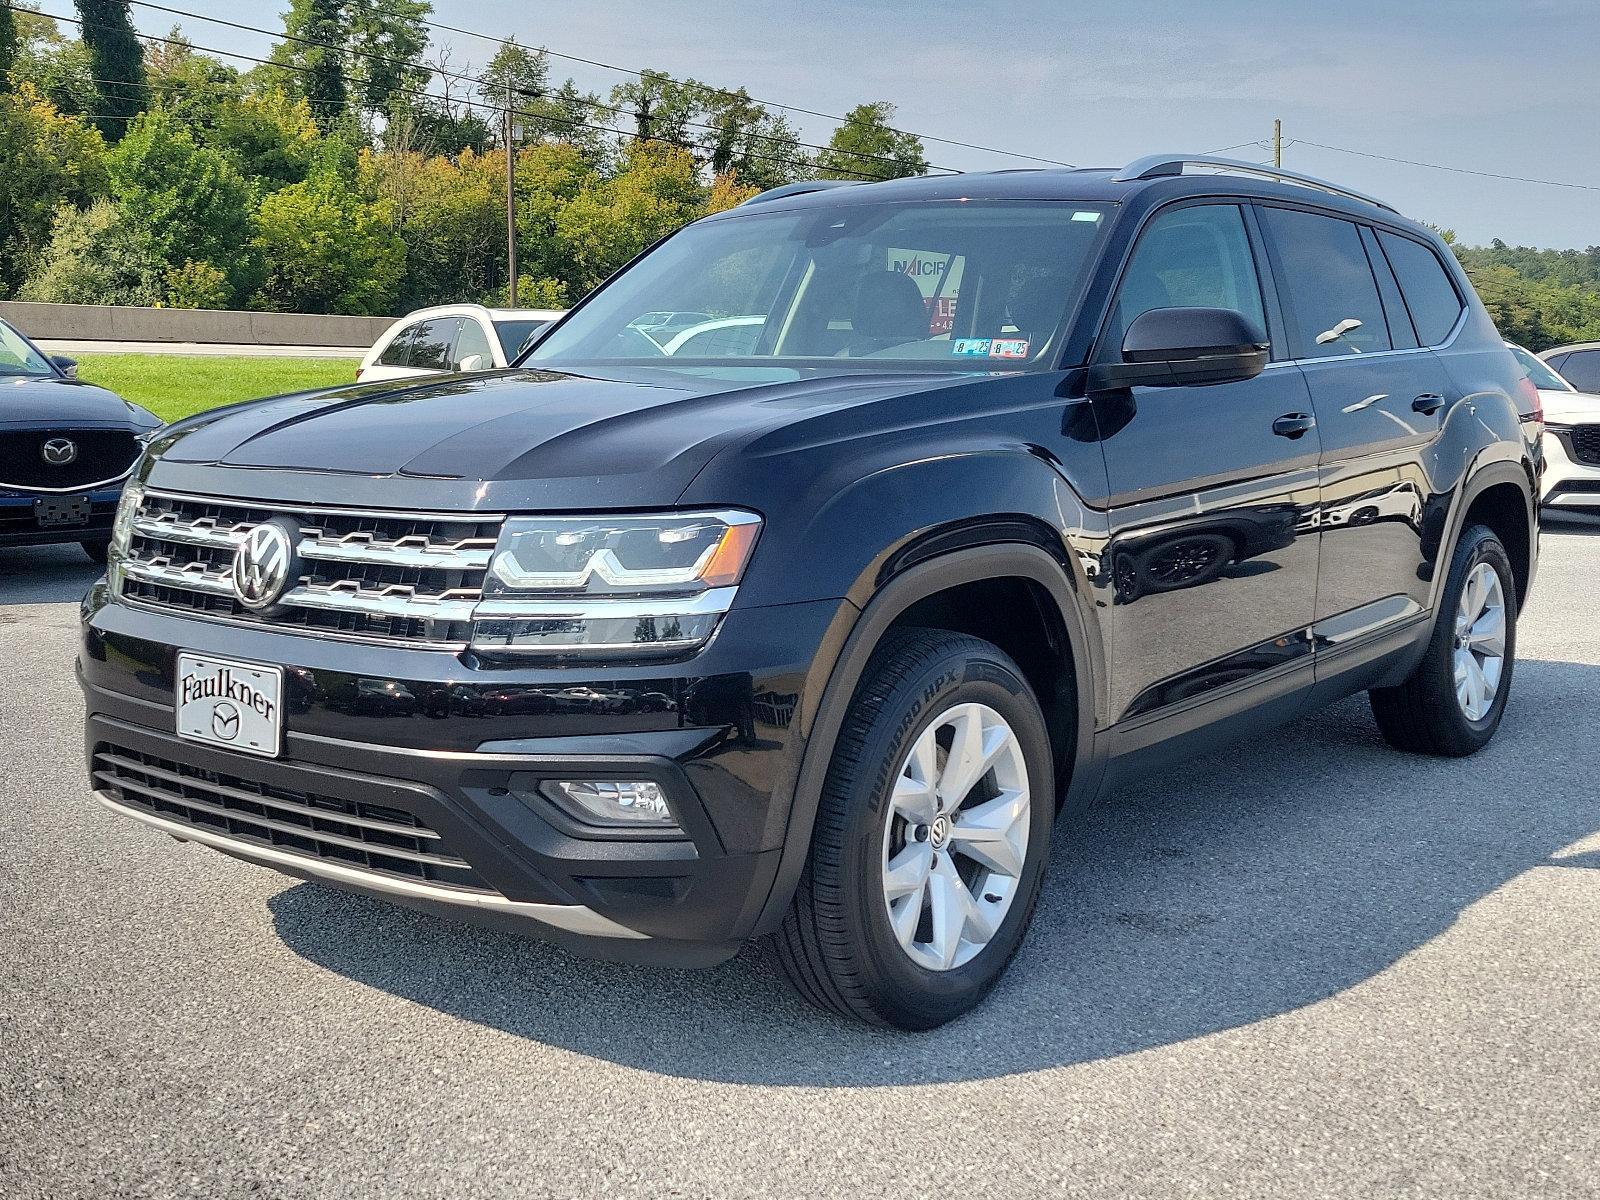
<point>66,448</point>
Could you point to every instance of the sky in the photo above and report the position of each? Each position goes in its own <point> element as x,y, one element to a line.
<point>1489,85</point>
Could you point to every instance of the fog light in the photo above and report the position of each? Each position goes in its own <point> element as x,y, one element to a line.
<point>614,802</point>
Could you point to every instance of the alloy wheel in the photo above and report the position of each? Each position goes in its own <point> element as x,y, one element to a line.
<point>1480,641</point>
<point>955,836</point>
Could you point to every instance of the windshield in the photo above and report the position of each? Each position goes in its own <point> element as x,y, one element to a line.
<point>957,285</point>
<point>18,357</point>
<point>1540,372</point>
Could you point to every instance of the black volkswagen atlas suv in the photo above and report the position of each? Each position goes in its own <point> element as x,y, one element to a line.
<point>960,499</point>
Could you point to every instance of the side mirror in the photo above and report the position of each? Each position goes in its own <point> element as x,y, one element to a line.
<point>1185,347</point>
<point>472,362</point>
<point>67,366</point>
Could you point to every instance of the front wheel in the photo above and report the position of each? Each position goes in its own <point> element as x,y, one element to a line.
<point>931,836</point>
<point>1452,703</point>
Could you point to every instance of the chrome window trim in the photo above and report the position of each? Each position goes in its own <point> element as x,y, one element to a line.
<point>1460,325</point>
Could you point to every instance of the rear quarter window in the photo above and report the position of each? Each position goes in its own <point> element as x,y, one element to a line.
<point>1434,303</point>
<point>398,352</point>
<point>1581,369</point>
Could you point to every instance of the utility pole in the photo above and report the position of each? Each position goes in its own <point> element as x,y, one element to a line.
<point>1277,143</point>
<point>506,131</point>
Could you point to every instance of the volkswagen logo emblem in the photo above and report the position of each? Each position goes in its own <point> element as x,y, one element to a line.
<point>263,565</point>
<point>58,452</point>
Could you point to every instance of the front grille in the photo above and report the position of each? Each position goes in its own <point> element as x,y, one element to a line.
<point>372,837</point>
<point>406,578</point>
<point>99,456</point>
<point>1585,443</point>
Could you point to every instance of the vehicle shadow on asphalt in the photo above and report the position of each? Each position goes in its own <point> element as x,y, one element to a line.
<point>45,574</point>
<point>1224,892</point>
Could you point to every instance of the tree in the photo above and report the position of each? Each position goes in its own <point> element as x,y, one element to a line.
<point>271,138</point>
<point>661,107</point>
<point>191,197</point>
<point>385,40</point>
<point>116,61</point>
<point>8,46</point>
<point>312,54</point>
<point>610,220</point>
<point>47,160</point>
<point>98,256</point>
<point>325,249</point>
<point>865,147</point>
<point>746,140</point>
<point>56,67</point>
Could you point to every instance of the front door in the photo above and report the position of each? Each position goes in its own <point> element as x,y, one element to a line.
<point>1213,550</point>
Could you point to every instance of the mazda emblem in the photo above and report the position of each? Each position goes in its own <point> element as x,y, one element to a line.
<point>262,565</point>
<point>225,721</point>
<point>58,452</point>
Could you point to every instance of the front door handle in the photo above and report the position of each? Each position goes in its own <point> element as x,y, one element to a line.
<point>1428,403</point>
<point>1294,425</point>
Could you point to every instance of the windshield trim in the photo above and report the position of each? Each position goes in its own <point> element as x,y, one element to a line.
<point>1051,360</point>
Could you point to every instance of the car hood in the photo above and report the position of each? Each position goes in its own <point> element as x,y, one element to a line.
<point>500,440</point>
<point>31,402</point>
<point>1570,408</point>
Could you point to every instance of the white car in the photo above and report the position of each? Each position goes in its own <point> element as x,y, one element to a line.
<point>452,337</point>
<point>1571,439</point>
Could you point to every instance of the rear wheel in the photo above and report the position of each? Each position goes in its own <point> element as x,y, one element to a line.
<point>1452,703</point>
<point>931,836</point>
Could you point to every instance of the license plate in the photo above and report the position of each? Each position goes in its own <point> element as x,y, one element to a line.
<point>235,705</point>
<point>53,511</point>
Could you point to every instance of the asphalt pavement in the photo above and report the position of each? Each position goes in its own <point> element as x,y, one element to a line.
<point>1303,966</point>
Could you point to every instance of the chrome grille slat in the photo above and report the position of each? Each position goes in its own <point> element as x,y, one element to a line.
<point>403,578</point>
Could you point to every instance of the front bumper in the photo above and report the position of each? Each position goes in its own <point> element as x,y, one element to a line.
<point>376,735</point>
<point>20,524</point>
<point>1567,483</point>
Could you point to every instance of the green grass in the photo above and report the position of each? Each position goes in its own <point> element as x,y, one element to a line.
<point>178,385</point>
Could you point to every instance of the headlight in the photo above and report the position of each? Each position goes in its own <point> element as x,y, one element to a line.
<point>122,532</point>
<point>648,583</point>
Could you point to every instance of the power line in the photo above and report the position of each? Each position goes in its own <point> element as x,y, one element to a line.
<point>570,122</point>
<point>734,94</point>
<point>1411,162</point>
<point>483,84</point>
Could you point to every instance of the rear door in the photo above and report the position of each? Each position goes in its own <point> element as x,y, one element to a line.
<point>1213,552</point>
<point>1379,398</point>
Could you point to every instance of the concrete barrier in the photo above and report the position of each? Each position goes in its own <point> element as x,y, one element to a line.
<point>112,323</point>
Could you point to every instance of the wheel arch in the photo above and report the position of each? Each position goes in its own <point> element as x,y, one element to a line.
<point>1500,495</point>
<point>947,574</point>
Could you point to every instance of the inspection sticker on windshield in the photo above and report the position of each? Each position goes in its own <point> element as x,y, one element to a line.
<point>1008,348</point>
<point>970,346</point>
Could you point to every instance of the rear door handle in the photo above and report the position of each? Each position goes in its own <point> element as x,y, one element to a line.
<point>1428,403</point>
<point>1294,425</point>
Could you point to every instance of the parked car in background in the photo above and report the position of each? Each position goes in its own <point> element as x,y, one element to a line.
<point>1571,437</point>
<point>65,449</point>
<point>662,326</point>
<point>453,337</point>
<point>1578,364</point>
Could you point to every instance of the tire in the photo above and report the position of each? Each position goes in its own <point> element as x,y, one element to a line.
<point>838,943</point>
<point>97,550</point>
<point>1426,714</point>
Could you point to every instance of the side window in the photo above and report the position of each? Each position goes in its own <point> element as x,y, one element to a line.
<point>398,352</point>
<point>1193,257</point>
<point>1581,369</point>
<point>1402,333</point>
<point>1329,294</point>
<point>1435,306</point>
<point>472,341</point>
<point>435,340</point>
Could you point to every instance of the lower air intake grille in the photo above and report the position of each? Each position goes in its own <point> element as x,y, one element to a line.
<point>1586,444</point>
<point>372,837</point>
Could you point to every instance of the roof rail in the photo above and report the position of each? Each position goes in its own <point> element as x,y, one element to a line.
<point>1156,166</point>
<point>800,188</point>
